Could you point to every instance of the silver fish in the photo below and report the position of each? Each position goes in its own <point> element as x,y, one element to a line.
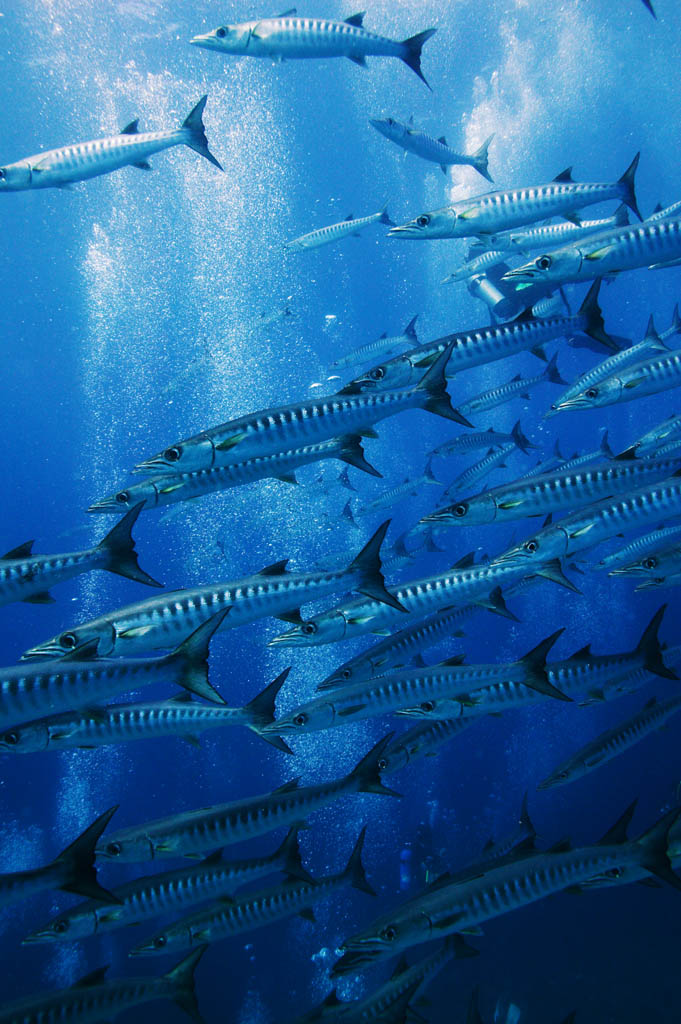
<point>478,265</point>
<point>335,232</point>
<point>648,544</point>
<point>414,140</point>
<point>518,386</point>
<point>649,444</point>
<point>382,346</point>
<point>409,487</point>
<point>546,235</point>
<point>484,439</point>
<point>58,168</point>
<point>649,376</point>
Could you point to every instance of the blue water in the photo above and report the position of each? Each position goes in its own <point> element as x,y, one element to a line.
<point>132,315</point>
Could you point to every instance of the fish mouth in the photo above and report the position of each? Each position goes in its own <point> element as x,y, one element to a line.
<point>38,937</point>
<point>415,712</point>
<point>355,957</point>
<point>47,651</point>
<point>291,638</point>
<point>516,556</point>
<point>151,465</point>
<point>209,41</point>
<point>523,274</point>
<point>406,231</point>
<point>443,516</point>
<point>105,505</point>
<point>546,783</point>
<point>654,581</point>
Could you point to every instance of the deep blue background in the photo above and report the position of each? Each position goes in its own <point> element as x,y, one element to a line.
<point>131,316</point>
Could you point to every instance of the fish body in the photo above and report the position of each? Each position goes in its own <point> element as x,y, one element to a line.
<point>641,547</point>
<point>546,235</point>
<point>58,168</point>
<point>169,892</point>
<point>519,386</point>
<point>649,376</point>
<point>413,140</point>
<point>422,740</point>
<point>291,38</point>
<point>161,622</point>
<point>28,577</point>
<point>667,432</point>
<point>335,232</point>
<point>499,211</point>
<point>483,439</point>
<point>159,491</point>
<point>613,742</point>
<point>561,490</point>
<point>382,346</point>
<point>293,426</point>
<point>654,570</point>
<point>409,487</point>
<point>465,481</point>
<point>195,832</point>
<point>478,265</point>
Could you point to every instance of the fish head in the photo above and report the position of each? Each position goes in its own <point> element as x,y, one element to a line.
<point>173,939</point>
<point>99,634</point>
<point>385,938</point>
<point>123,501</point>
<point>25,739</point>
<point>227,38</point>
<point>345,675</point>
<point>547,269</point>
<point>317,714</point>
<point>66,927</point>
<point>559,777</point>
<point>388,127</point>
<point>395,373</point>
<point>434,224</point>
<point>295,245</point>
<point>183,457</point>
<point>322,629</point>
<point>14,177</point>
<point>603,392</point>
<point>131,846</point>
<point>528,555</point>
<point>475,511</point>
<point>652,570</point>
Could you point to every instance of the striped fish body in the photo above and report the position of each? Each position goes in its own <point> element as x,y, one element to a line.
<point>24,579</point>
<point>390,498</point>
<point>647,377</point>
<point>555,234</point>
<point>176,487</point>
<point>385,346</point>
<point>492,399</point>
<point>605,369</point>
<point>453,588</point>
<point>654,570</point>
<point>334,232</point>
<point>558,491</point>
<point>293,38</point>
<point>413,140</point>
<point>649,544</point>
<point>613,742</point>
<point>472,441</point>
<point>479,265</point>
<point>669,211</point>
<point>664,433</point>
<point>16,886</point>
<point>473,474</point>
<point>422,740</point>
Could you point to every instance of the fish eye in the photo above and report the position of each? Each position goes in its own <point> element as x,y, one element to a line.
<point>543,262</point>
<point>309,628</point>
<point>11,739</point>
<point>114,849</point>
<point>649,563</point>
<point>300,719</point>
<point>346,673</point>
<point>3,175</point>
<point>428,706</point>
<point>160,941</point>
<point>460,510</point>
<point>61,927</point>
<point>68,641</point>
<point>172,454</point>
<point>591,393</point>
<point>122,497</point>
<point>613,873</point>
<point>389,933</point>
<point>382,764</point>
<point>423,221</point>
<point>378,373</point>
<point>531,546</point>
<point>221,32</point>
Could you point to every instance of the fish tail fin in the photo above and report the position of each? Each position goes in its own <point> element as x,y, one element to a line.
<point>366,775</point>
<point>519,438</point>
<point>385,217</point>
<point>412,51</point>
<point>192,656</point>
<point>261,711</point>
<point>652,847</point>
<point>119,548</point>
<point>368,564</point>
<point>552,373</point>
<point>593,314</point>
<point>534,664</point>
<point>434,385</point>
<point>181,976</point>
<point>605,446</point>
<point>649,5</point>
<point>649,646</point>
<point>621,216</point>
<point>79,861</point>
<point>353,453</point>
<point>428,474</point>
<point>410,330</point>
<point>196,133</point>
<point>480,158</point>
<point>354,871</point>
<point>288,855</point>
<point>627,183</point>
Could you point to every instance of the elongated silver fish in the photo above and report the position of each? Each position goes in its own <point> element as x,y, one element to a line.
<point>92,998</point>
<point>28,577</point>
<point>642,547</point>
<point>172,488</point>
<point>649,376</point>
<point>256,909</point>
<point>382,346</point>
<point>291,38</point>
<point>518,386</point>
<point>72,871</point>
<point>409,487</point>
<point>484,439</point>
<point>422,740</point>
<point>612,742</point>
<point>461,906</point>
<point>335,232</point>
<point>121,723</point>
<point>169,892</point>
<point>389,693</point>
<point>192,832</point>
<point>272,431</point>
<point>414,140</point>
<point>546,235</point>
<point>469,477</point>
<point>559,491</point>
<point>58,168</point>
<point>650,443</point>
<point>478,265</point>
<point>162,621</point>
<point>498,211</point>
<point>654,570</point>
<point>483,345</point>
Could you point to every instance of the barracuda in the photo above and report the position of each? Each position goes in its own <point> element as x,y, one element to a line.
<point>648,377</point>
<point>479,265</point>
<point>553,234</point>
<point>160,622</point>
<point>483,345</point>
<point>28,577</point>
<point>655,570</point>
<point>121,723</point>
<point>595,523</point>
<point>29,691</point>
<point>58,168</point>
<point>291,38</point>
<point>93,999</point>
<point>389,693</point>
<point>466,480</point>
<point>409,487</point>
<point>667,432</point>
<point>291,426</point>
<point>335,232</point>
<point>255,910</point>
<point>483,439</point>
<point>559,491</point>
<point>435,150</point>
<point>653,244</point>
<point>172,488</point>
<point>648,544</point>
<point>498,211</point>
<point>191,833</point>
<point>461,906</point>
<point>518,386</point>
<point>421,740</point>
<point>382,346</point>
<point>613,742</point>
<point>147,898</point>
<point>72,871</point>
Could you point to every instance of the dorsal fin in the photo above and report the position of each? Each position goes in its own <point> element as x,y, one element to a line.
<point>650,703</point>
<point>288,787</point>
<point>350,217</point>
<point>456,659</point>
<point>95,977</point>
<point>23,551</point>
<point>213,858</point>
<point>583,653</point>
<point>276,569</point>
<point>562,846</point>
<point>443,140</point>
<point>132,128</point>
<point>356,19</point>
<point>618,832</point>
<point>466,561</point>
<point>565,175</point>
<point>332,999</point>
<point>290,13</point>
